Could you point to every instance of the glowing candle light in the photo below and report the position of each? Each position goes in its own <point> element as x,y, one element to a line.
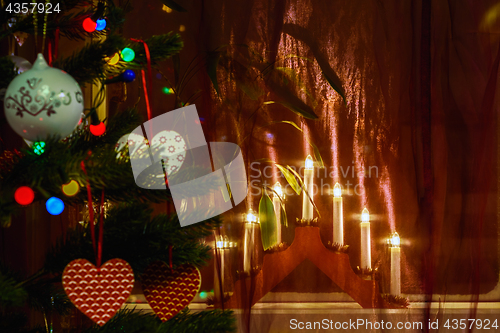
<point>251,217</point>
<point>249,240</point>
<point>366,257</point>
<point>338,218</point>
<point>277,210</point>
<point>221,246</point>
<point>395,249</point>
<point>307,206</point>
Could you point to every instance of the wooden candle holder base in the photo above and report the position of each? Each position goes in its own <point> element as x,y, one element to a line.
<point>306,245</point>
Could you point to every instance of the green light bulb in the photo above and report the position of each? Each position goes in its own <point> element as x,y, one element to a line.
<point>128,54</point>
<point>38,147</point>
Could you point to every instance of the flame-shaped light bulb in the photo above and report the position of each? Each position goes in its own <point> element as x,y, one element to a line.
<point>365,215</point>
<point>337,191</point>
<point>251,217</point>
<point>278,190</point>
<point>309,162</point>
<point>395,240</point>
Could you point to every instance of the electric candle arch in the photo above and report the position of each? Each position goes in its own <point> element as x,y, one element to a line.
<point>338,232</point>
<point>363,287</point>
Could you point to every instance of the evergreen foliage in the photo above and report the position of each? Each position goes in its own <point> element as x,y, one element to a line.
<point>89,63</point>
<point>11,294</point>
<point>7,70</point>
<point>131,231</point>
<point>131,234</point>
<point>185,322</point>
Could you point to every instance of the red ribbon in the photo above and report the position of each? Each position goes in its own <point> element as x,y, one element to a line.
<point>52,53</point>
<point>148,58</point>
<point>98,248</point>
<point>49,47</point>
<point>148,108</point>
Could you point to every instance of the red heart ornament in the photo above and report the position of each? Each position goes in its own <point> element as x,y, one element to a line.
<point>169,291</point>
<point>98,293</point>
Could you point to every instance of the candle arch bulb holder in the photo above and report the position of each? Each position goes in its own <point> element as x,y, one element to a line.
<point>307,244</point>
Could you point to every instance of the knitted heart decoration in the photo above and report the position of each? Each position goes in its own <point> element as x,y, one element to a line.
<point>98,293</point>
<point>169,291</point>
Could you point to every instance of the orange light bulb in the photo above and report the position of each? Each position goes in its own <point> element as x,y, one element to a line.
<point>71,188</point>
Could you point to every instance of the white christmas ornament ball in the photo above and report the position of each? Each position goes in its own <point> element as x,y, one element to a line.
<point>43,102</point>
<point>173,149</point>
<point>168,144</point>
<point>132,141</point>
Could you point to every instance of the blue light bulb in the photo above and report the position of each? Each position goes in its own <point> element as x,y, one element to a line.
<point>55,206</point>
<point>128,75</point>
<point>101,24</point>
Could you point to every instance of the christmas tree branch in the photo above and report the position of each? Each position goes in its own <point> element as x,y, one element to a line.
<point>128,321</point>
<point>89,64</point>
<point>7,72</point>
<point>131,234</point>
<point>44,296</point>
<point>106,169</point>
<point>161,48</point>
<point>61,161</point>
<point>215,321</point>
<point>11,293</point>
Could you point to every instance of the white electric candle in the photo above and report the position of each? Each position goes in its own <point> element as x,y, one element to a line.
<point>395,264</point>
<point>307,206</point>
<point>219,271</point>
<point>366,257</point>
<point>338,218</point>
<point>249,241</point>
<point>277,210</point>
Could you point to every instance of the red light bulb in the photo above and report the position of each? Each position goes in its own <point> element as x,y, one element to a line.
<point>24,195</point>
<point>89,25</point>
<point>98,130</point>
